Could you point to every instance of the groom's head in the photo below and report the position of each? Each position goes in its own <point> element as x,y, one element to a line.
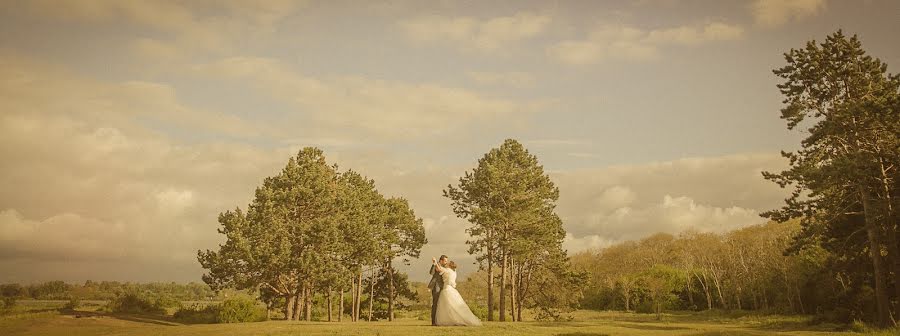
<point>443,260</point>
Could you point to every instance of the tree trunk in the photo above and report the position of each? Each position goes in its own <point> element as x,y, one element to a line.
<point>298,305</point>
<point>391,293</point>
<point>690,293</point>
<point>705,286</point>
<point>490,279</point>
<point>513,291</point>
<point>658,310</point>
<point>341,306</point>
<point>358,295</point>
<point>627,301</point>
<point>738,298</point>
<point>353,292</point>
<point>503,284</point>
<point>519,294</point>
<point>328,298</point>
<point>755,298</point>
<point>719,290</point>
<point>289,307</point>
<point>308,302</point>
<point>372,292</point>
<point>881,297</point>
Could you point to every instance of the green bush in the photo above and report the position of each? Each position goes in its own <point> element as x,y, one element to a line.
<point>197,313</point>
<point>233,310</point>
<point>72,304</point>
<point>134,303</point>
<point>7,304</point>
<point>645,307</point>
<point>479,310</point>
<point>238,310</point>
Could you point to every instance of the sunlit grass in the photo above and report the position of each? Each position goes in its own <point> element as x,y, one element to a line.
<point>43,318</point>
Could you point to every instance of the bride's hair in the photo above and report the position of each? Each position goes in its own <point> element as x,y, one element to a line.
<point>452,265</point>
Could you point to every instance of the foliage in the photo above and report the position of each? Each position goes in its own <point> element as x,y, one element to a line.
<point>661,282</point>
<point>107,290</point>
<point>72,304</point>
<point>240,309</point>
<point>311,228</point>
<point>197,313</point>
<point>135,303</point>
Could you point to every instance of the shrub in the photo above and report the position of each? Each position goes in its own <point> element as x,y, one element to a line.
<point>197,313</point>
<point>134,303</point>
<point>241,310</point>
<point>644,307</point>
<point>72,304</point>
<point>7,304</point>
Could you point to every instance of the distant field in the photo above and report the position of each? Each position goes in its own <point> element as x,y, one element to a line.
<point>41,318</point>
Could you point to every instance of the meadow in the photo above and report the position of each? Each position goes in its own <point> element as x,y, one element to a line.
<point>47,317</point>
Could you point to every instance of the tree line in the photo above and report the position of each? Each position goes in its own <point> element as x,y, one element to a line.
<point>510,203</point>
<point>105,290</point>
<point>313,231</point>
<point>744,269</point>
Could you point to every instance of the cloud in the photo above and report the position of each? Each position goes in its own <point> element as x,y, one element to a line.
<point>66,236</point>
<point>624,43</point>
<point>618,203</point>
<point>380,108</point>
<point>472,33</point>
<point>510,79</point>
<point>180,28</point>
<point>774,13</point>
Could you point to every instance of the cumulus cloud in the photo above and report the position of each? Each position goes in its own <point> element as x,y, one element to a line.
<point>472,33</point>
<point>624,43</point>
<point>88,180</point>
<point>377,107</point>
<point>774,13</point>
<point>717,194</point>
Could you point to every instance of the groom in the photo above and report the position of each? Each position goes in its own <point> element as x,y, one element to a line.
<point>435,285</point>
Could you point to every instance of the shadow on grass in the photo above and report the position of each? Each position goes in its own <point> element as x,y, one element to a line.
<point>799,326</point>
<point>149,319</point>
<point>726,333</point>
<point>646,326</point>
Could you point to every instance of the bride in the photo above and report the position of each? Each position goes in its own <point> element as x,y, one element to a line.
<point>451,308</point>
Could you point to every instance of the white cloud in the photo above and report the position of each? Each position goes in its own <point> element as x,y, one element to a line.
<point>618,203</point>
<point>64,236</point>
<point>774,13</point>
<point>472,33</point>
<point>624,43</point>
<point>376,107</point>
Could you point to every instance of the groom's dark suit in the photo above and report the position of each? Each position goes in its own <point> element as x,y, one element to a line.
<point>435,285</point>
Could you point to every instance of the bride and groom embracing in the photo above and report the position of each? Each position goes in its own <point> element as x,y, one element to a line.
<point>448,307</point>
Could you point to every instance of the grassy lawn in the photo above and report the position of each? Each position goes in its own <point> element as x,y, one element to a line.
<point>47,321</point>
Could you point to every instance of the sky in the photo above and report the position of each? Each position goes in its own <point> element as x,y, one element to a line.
<point>126,127</point>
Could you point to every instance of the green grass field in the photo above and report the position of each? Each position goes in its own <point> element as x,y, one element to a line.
<point>41,318</point>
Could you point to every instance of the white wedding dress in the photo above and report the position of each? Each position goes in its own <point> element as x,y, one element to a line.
<point>451,308</point>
